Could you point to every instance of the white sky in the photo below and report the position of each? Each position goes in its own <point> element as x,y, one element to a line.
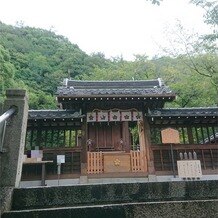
<point>114,27</point>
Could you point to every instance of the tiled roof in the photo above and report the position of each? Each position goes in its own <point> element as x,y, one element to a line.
<point>120,88</point>
<point>213,111</point>
<point>53,114</point>
<point>77,84</point>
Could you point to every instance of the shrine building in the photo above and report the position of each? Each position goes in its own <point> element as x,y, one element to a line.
<point>119,129</point>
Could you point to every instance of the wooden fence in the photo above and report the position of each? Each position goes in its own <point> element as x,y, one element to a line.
<point>138,161</point>
<point>206,153</point>
<point>95,162</point>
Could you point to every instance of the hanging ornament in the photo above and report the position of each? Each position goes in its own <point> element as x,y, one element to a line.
<point>102,116</point>
<point>115,116</point>
<point>126,116</point>
<point>91,117</point>
<point>136,115</point>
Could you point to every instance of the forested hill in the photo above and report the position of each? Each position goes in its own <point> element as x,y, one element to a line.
<point>38,60</point>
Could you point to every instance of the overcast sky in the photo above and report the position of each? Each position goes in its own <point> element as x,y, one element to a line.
<point>114,27</point>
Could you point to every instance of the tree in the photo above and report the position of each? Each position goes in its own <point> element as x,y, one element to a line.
<point>195,53</point>
<point>188,86</point>
<point>210,17</point>
<point>7,71</point>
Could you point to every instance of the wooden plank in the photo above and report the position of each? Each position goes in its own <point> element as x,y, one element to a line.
<point>141,136</point>
<point>101,142</point>
<point>116,132</point>
<point>108,136</point>
<point>94,162</point>
<point>212,160</point>
<point>185,146</point>
<point>138,161</point>
<point>126,136</point>
<point>116,162</point>
<point>170,135</point>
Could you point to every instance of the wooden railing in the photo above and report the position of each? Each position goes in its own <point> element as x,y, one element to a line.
<point>70,167</point>
<point>138,161</point>
<point>95,162</point>
<point>207,154</point>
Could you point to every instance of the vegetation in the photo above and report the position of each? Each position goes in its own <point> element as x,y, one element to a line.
<point>38,60</point>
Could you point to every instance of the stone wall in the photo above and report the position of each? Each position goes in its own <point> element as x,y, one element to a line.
<point>180,209</point>
<point>66,196</point>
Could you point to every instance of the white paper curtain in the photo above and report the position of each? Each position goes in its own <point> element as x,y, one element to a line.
<point>91,117</point>
<point>114,116</point>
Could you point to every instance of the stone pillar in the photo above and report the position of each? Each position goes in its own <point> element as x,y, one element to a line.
<point>14,138</point>
<point>11,161</point>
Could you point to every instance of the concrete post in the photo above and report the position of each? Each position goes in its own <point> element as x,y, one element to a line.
<point>11,160</point>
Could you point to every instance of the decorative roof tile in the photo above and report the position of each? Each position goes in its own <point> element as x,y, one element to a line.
<point>53,114</point>
<point>210,111</point>
<point>100,88</point>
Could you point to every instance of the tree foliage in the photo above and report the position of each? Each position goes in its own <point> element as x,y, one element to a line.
<point>38,60</point>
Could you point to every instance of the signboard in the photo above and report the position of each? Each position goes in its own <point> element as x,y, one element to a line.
<point>60,159</point>
<point>189,168</point>
<point>170,136</point>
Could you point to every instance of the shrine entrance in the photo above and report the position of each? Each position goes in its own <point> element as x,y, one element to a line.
<point>109,136</point>
<point>113,146</point>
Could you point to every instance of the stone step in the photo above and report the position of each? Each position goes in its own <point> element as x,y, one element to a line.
<point>101,194</point>
<point>169,209</point>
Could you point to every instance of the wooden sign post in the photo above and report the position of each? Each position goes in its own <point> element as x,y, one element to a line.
<point>171,136</point>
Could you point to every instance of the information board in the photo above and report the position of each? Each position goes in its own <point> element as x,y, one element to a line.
<point>189,168</point>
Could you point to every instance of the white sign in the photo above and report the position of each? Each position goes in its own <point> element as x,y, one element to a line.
<point>189,168</point>
<point>60,159</point>
<point>36,154</point>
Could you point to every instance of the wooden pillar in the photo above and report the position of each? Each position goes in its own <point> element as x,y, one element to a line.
<point>190,135</point>
<point>39,138</point>
<point>126,136</point>
<point>147,146</point>
<point>84,148</point>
